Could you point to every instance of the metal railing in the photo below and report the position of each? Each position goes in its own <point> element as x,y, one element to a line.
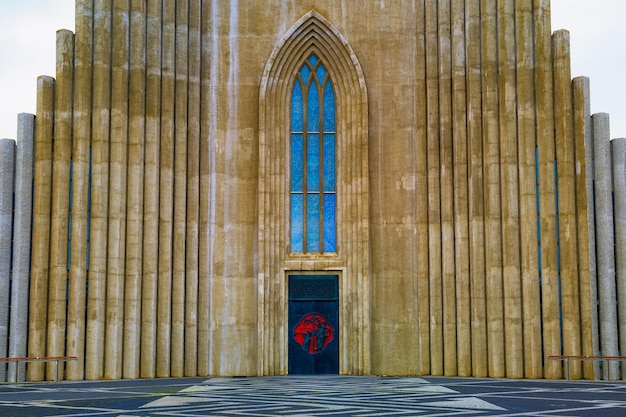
<point>567,358</point>
<point>55,359</point>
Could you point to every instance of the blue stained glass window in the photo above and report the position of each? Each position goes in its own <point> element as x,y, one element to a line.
<point>313,161</point>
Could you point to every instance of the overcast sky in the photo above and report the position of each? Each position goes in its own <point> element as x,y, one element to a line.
<point>27,48</point>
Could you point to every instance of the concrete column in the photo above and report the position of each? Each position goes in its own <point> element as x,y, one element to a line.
<point>544,89</point>
<point>583,135</point>
<point>100,131</point>
<point>21,243</point>
<point>605,240</point>
<point>7,172</point>
<point>460,165</point>
<point>510,198</point>
<point>116,246</point>
<point>566,169</point>
<point>193,192</point>
<point>526,122</point>
<point>180,187</point>
<point>44,124</point>
<point>166,192</point>
<point>80,190</point>
<point>619,198</point>
<point>476,192</point>
<point>57,291</point>
<point>134,190</point>
<point>151,191</point>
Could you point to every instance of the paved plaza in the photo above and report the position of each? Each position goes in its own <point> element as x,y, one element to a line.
<point>314,396</point>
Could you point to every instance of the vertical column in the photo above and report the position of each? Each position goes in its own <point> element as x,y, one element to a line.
<point>568,239</point>
<point>39,273</point>
<point>21,244</point>
<point>134,190</point>
<point>80,189</point>
<point>193,192</point>
<point>461,214</point>
<point>113,347</point>
<point>166,195</point>
<point>525,82</point>
<point>547,189</point>
<point>101,118</point>
<point>583,137</point>
<point>7,171</point>
<point>57,294</point>
<point>447,188</point>
<point>511,262</point>
<point>476,190</point>
<point>619,198</point>
<point>493,219</point>
<point>605,241</point>
<point>434,190</point>
<point>151,191</point>
<point>180,187</point>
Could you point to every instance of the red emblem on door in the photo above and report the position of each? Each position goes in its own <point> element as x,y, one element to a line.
<point>313,333</point>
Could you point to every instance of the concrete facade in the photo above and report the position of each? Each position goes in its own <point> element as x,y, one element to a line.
<point>161,191</point>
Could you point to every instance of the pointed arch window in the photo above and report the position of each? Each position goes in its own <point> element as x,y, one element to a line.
<point>313,173</point>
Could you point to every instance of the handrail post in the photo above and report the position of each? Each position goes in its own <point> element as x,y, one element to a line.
<point>567,368</point>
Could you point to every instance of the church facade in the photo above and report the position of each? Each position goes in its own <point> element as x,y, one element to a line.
<point>280,187</point>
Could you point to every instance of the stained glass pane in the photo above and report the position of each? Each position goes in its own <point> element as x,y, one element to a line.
<point>330,229</point>
<point>305,73</point>
<point>313,59</point>
<point>297,223</point>
<point>297,172</point>
<point>313,223</point>
<point>329,163</point>
<point>313,162</point>
<point>296,108</point>
<point>321,73</point>
<point>329,108</point>
<point>313,109</point>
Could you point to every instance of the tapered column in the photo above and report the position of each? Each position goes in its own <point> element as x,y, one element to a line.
<point>113,347</point>
<point>18,328</point>
<point>461,213</point>
<point>180,188</point>
<point>38,306</point>
<point>547,189</point>
<point>193,192</point>
<point>7,171</point>
<point>134,190</point>
<point>166,195</point>
<point>80,190</point>
<point>101,118</point>
<point>57,291</point>
<point>151,191</point>
<point>619,187</point>
<point>568,239</point>
<point>476,191</point>
<point>511,261</point>
<point>583,136</point>
<point>525,81</point>
<point>605,241</point>
<point>434,190</point>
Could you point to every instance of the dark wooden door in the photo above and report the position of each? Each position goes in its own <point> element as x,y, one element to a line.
<point>313,324</point>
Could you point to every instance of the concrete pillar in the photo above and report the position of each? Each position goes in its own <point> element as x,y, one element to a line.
<point>116,246</point>
<point>151,191</point>
<point>21,244</point>
<point>544,89</point>
<point>476,192</point>
<point>80,190</point>
<point>619,198</point>
<point>7,172</point>
<point>510,198</point>
<point>525,78</point>
<point>566,169</point>
<point>583,135</point>
<point>134,190</point>
<point>57,291</point>
<point>605,241</point>
<point>44,124</point>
